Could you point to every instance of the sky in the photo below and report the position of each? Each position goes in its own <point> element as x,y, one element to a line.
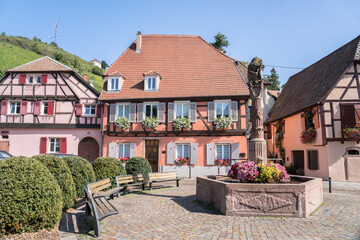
<point>282,33</point>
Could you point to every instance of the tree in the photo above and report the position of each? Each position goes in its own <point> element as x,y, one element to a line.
<point>104,65</point>
<point>220,42</point>
<point>273,79</point>
<point>245,63</point>
<point>3,34</point>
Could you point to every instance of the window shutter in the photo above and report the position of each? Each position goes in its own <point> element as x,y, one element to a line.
<point>316,117</point>
<point>112,149</point>
<point>23,108</point>
<point>235,151</point>
<point>132,150</point>
<point>211,111</point>
<point>194,153</point>
<point>98,110</point>
<point>171,113</point>
<point>112,112</point>
<point>357,115</point>
<point>234,110</point>
<point>161,115</point>
<point>170,153</point>
<point>50,108</point>
<point>140,112</point>
<point>62,145</point>
<point>133,112</point>
<point>303,122</point>
<point>313,162</point>
<point>348,116</point>
<point>210,153</point>
<point>193,114</point>
<point>43,141</point>
<point>268,131</point>
<point>4,105</point>
<point>37,108</point>
<point>43,79</point>
<point>79,109</point>
<point>22,79</point>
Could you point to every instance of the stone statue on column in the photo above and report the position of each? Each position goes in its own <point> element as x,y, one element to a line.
<point>257,143</point>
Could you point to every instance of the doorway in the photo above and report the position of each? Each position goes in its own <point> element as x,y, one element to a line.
<point>88,149</point>
<point>298,161</point>
<point>152,153</point>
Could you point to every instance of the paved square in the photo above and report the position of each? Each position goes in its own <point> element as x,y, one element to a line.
<point>173,213</point>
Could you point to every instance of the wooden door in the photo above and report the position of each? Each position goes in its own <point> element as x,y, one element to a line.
<point>298,161</point>
<point>88,149</point>
<point>152,153</point>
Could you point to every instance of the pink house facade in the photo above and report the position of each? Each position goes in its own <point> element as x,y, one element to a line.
<point>46,108</point>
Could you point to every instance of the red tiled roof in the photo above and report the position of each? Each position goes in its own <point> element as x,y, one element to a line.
<point>44,64</point>
<point>188,65</point>
<point>273,93</point>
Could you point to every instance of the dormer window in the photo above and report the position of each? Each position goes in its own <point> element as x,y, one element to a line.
<point>114,83</point>
<point>152,80</point>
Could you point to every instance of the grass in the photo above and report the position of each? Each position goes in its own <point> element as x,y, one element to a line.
<point>313,212</point>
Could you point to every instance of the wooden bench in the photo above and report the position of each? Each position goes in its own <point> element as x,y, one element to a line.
<point>125,181</point>
<point>163,177</point>
<point>97,188</point>
<point>100,208</point>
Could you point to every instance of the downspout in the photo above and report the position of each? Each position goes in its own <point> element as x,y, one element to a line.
<point>102,131</point>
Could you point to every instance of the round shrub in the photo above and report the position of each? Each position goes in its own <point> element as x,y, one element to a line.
<point>63,176</point>
<point>30,197</point>
<point>138,165</point>
<point>82,173</point>
<point>108,167</point>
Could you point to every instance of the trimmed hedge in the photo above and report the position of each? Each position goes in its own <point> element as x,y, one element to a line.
<point>82,173</point>
<point>138,165</point>
<point>63,176</point>
<point>108,167</point>
<point>30,197</point>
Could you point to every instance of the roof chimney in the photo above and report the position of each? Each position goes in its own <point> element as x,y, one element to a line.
<point>138,42</point>
<point>85,77</point>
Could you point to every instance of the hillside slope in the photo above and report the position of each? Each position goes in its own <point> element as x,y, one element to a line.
<point>15,51</point>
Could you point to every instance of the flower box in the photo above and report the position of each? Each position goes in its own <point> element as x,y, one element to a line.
<point>181,161</point>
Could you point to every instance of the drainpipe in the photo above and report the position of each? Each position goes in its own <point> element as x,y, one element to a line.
<point>102,131</point>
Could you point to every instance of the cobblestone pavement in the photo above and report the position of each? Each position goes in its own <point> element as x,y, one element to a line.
<point>173,213</point>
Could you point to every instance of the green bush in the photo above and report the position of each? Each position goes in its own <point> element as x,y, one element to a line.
<point>108,167</point>
<point>30,197</point>
<point>138,165</point>
<point>63,176</point>
<point>82,173</point>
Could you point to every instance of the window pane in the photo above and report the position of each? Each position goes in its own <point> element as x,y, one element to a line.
<point>121,150</point>
<point>87,110</point>
<point>153,83</point>
<point>93,110</point>
<point>116,83</point>
<point>149,83</point>
<point>218,151</point>
<point>38,79</point>
<point>126,150</point>
<point>57,141</point>
<point>226,152</point>
<point>226,109</point>
<point>154,113</point>
<point>112,83</point>
<point>186,151</point>
<point>127,111</point>
<point>17,107</point>
<point>218,110</point>
<point>121,111</point>
<point>52,145</point>
<point>178,110</point>
<point>30,79</point>
<point>45,107</point>
<point>178,150</point>
<point>186,110</point>
<point>148,111</point>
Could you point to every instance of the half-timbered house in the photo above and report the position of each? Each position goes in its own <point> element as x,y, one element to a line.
<point>172,77</point>
<point>47,108</point>
<point>326,97</point>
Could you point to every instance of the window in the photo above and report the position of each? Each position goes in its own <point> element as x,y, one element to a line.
<point>151,110</point>
<point>90,110</point>
<point>45,108</point>
<point>124,150</point>
<point>114,83</point>
<point>313,162</point>
<point>351,115</point>
<point>222,151</point>
<point>14,108</point>
<point>151,83</point>
<point>54,145</point>
<point>182,110</point>
<point>222,109</point>
<point>182,151</point>
<point>34,79</point>
<point>123,110</point>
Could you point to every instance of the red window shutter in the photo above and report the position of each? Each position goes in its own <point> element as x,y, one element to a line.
<point>98,110</point>
<point>62,145</point>
<point>37,108</point>
<point>348,116</point>
<point>316,118</point>
<point>303,122</point>
<point>78,109</point>
<point>4,105</point>
<point>50,108</point>
<point>43,141</point>
<point>22,79</point>
<point>43,79</point>
<point>23,108</point>
<point>357,115</point>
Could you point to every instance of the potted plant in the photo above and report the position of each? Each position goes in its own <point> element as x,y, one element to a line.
<point>222,122</point>
<point>181,123</point>
<point>181,161</point>
<point>124,159</point>
<point>352,134</point>
<point>122,122</point>
<point>308,136</point>
<point>150,123</point>
<point>222,162</point>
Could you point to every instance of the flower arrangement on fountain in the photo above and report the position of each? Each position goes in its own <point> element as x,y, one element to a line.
<point>123,159</point>
<point>308,136</point>
<point>352,134</point>
<point>222,122</point>
<point>122,122</point>
<point>181,123</point>
<point>251,172</point>
<point>222,162</point>
<point>181,161</point>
